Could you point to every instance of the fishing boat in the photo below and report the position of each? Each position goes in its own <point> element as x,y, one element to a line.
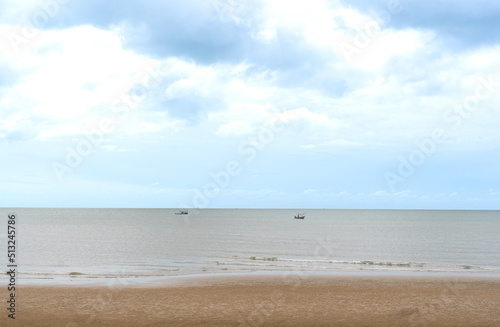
<point>182,212</point>
<point>300,216</point>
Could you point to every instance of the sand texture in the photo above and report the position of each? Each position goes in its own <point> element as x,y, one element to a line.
<point>290,300</point>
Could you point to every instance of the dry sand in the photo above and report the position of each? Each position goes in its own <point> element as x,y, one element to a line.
<point>290,300</point>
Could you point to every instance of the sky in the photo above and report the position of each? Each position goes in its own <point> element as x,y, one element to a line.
<point>250,104</point>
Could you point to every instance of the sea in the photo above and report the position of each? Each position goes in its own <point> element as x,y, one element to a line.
<point>90,244</point>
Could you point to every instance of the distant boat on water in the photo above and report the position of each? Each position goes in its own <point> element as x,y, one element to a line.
<point>300,216</point>
<point>182,212</point>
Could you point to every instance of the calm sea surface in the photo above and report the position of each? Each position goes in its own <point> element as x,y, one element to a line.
<point>79,243</point>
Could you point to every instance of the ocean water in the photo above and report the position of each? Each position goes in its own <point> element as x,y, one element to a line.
<point>108,243</point>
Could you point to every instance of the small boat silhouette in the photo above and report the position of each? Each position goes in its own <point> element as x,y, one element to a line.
<point>300,216</point>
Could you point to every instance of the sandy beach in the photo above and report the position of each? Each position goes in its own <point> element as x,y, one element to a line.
<point>278,300</point>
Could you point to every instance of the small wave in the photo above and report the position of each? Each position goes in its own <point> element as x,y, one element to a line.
<point>265,259</point>
<point>364,262</point>
<point>86,275</point>
<point>325,263</point>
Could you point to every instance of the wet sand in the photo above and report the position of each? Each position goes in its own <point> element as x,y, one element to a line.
<point>277,300</point>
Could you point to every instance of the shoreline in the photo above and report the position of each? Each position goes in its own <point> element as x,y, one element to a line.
<point>267,300</point>
<point>67,280</point>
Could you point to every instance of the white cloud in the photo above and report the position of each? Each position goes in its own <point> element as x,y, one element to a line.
<point>342,143</point>
<point>381,49</point>
<point>237,128</point>
<point>281,60</point>
<point>71,75</point>
<point>76,72</point>
<point>153,123</point>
